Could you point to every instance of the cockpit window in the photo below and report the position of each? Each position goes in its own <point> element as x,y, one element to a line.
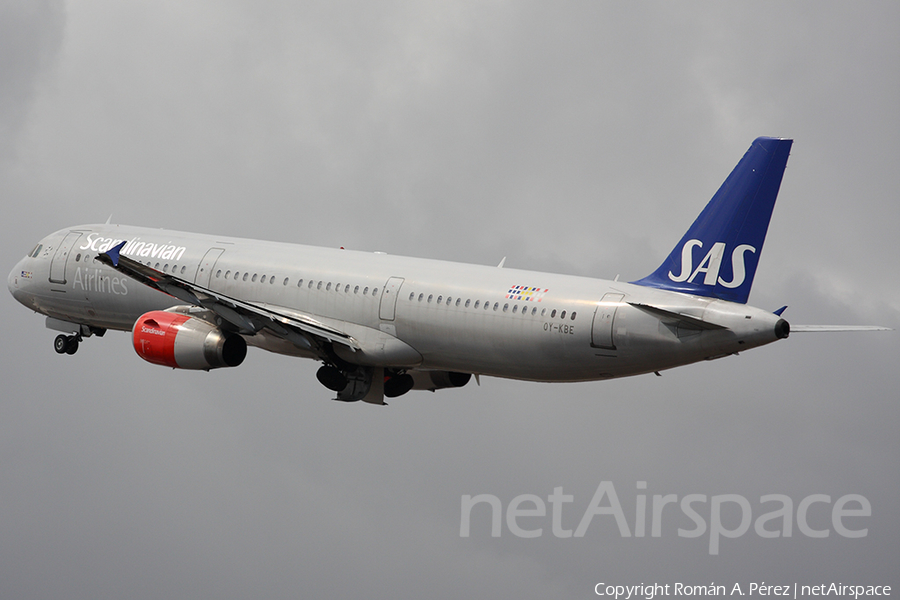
<point>36,251</point>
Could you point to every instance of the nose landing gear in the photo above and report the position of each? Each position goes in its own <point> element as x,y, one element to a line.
<point>66,344</point>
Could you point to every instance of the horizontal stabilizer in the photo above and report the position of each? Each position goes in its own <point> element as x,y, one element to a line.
<point>680,319</point>
<point>822,328</point>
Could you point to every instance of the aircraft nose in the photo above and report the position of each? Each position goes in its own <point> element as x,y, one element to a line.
<point>17,282</point>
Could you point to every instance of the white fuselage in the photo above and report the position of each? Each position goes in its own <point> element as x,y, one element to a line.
<point>414,313</point>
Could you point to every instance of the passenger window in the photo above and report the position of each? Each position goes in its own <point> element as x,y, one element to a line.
<point>227,274</point>
<point>553,313</point>
<point>440,299</point>
<point>534,311</point>
<point>477,302</point>
<point>366,291</point>
<point>421,296</point>
<point>271,280</point>
<point>515,308</point>
<point>374,291</point>
<point>347,289</point>
<point>562,315</point>
<point>458,300</point>
<point>182,269</point>
<point>218,273</point>
<point>285,281</point>
<point>78,257</point>
<point>468,302</point>
<point>254,278</point>
<point>430,298</point>
<point>328,287</point>
<point>505,307</point>
<point>573,315</point>
<point>356,290</point>
<point>311,282</point>
<point>319,286</point>
<point>543,312</point>
<point>299,283</point>
<point>496,306</point>
<point>412,296</point>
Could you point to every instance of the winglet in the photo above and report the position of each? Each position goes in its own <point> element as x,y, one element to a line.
<point>113,253</point>
<point>780,311</point>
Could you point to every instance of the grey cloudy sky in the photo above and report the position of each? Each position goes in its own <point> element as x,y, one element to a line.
<point>580,137</point>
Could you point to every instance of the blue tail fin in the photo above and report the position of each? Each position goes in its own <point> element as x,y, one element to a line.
<point>717,257</point>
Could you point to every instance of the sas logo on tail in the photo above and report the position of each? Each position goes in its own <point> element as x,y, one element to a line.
<point>710,265</point>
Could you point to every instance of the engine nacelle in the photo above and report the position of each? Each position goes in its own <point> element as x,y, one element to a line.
<point>437,380</point>
<point>184,342</point>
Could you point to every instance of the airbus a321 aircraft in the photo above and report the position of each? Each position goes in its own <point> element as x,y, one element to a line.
<point>383,325</point>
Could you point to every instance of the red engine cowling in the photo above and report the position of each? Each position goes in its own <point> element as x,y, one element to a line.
<point>184,342</point>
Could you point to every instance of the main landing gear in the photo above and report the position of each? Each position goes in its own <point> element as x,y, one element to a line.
<point>353,382</point>
<point>66,344</point>
<point>397,385</point>
<point>332,378</point>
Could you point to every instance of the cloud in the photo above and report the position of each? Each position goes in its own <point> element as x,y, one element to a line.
<point>581,139</point>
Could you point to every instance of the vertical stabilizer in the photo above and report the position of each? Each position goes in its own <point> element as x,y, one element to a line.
<point>717,257</point>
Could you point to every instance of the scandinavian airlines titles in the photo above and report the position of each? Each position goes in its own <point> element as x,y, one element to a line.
<point>134,247</point>
<point>711,263</point>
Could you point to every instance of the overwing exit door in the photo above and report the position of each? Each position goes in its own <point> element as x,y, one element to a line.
<point>389,298</point>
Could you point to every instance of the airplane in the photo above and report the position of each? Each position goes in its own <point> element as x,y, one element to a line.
<point>383,325</point>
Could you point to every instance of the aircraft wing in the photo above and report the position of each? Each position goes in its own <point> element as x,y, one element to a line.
<point>300,329</point>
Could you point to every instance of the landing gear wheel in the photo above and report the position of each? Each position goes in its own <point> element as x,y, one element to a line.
<point>398,385</point>
<point>332,378</point>
<point>66,344</point>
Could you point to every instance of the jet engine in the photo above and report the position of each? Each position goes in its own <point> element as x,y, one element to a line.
<point>184,342</point>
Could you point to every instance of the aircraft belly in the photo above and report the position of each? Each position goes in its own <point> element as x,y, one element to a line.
<point>502,346</point>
